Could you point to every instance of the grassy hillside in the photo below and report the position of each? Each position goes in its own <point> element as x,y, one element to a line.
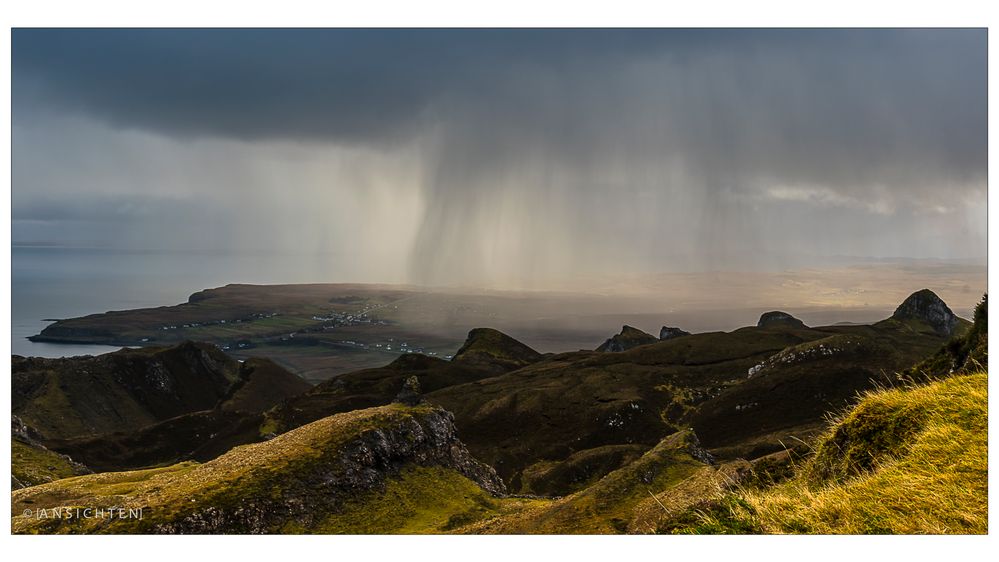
<point>606,438</point>
<point>314,478</point>
<point>903,461</point>
<point>608,505</point>
<point>911,460</point>
<point>32,464</point>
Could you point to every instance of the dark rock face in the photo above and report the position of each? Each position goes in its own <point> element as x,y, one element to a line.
<point>669,333</point>
<point>777,319</point>
<point>627,339</point>
<point>925,305</point>
<point>309,493</point>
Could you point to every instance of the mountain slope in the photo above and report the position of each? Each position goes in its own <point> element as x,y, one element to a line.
<point>556,423</point>
<point>319,477</point>
<point>136,408</point>
<point>202,435</point>
<point>747,393</point>
<point>130,388</point>
<point>262,385</point>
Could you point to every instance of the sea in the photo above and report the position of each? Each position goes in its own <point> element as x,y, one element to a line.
<point>49,283</point>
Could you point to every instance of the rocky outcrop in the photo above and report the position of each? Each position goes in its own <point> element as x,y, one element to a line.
<point>669,333</point>
<point>926,306</point>
<point>300,478</point>
<point>778,319</point>
<point>627,339</point>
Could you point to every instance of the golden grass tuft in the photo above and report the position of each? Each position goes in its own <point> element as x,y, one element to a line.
<point>872,474</point>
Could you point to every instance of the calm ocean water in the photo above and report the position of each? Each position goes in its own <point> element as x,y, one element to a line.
<point>56,282</point>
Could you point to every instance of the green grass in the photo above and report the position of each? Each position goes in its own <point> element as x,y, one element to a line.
<point>36,465</point>
<point>904,461</point>
<point>421,500</point>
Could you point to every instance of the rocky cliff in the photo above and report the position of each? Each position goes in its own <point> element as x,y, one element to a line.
<point>926,306</point>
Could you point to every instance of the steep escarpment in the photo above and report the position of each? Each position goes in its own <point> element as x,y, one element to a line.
<point>136,408</point>
<point>203,435</point>
<point>80,397</point>
<point>127,389</point>
<point>313,478</point>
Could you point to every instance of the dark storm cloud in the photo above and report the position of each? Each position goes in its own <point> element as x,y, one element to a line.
<point>350,84</point>
<point>543,148</point>
<point>360,84</point>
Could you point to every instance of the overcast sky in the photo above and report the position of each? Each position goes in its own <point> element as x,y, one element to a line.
<point>507,157</point>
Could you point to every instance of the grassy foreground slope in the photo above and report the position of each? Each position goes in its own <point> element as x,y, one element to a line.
<point>904,461</point>
<point>328,476</point>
